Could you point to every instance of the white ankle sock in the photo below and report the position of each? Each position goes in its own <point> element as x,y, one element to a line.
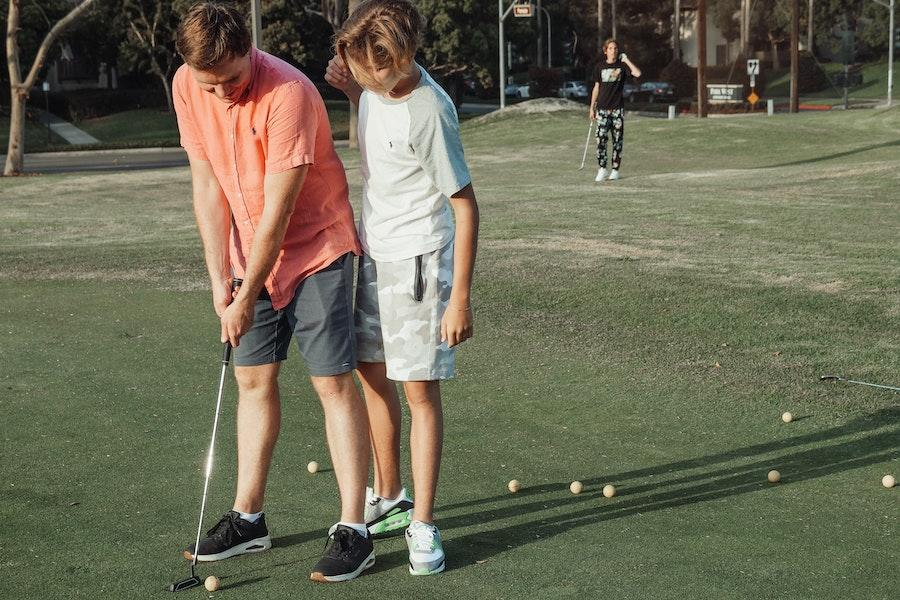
<point>359,527</point>
<point>251,517</point>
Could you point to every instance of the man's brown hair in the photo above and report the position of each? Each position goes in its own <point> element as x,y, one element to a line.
<point>379,34</point>
<point>210,33</point>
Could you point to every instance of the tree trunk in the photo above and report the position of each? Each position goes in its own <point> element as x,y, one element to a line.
<point>776,61</point>
<point>15,151</point>
<point>676,32</point>
<point>354,118</point>
<point>168,89</point>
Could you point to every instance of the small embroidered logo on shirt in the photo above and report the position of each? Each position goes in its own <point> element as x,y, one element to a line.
<point>253,130</point>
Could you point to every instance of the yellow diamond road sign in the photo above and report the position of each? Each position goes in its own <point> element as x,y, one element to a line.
<point>752,98</point>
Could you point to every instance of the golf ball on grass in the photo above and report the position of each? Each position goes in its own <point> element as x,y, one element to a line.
<point>312,467</point>
<point>787,417</point>
<point>888,481</point>
<point>575,487</point>
<point>774,476</point>
<point>212,583</point>
<point>609,490</point>
<point>514,485</point>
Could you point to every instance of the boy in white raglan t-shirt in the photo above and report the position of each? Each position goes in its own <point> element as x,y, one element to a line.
<point>413,291</point>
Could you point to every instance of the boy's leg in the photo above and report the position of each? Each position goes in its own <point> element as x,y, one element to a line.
<point>383,406</point>
<point>618,136</point>
<point>426,439</point>
<point>602,132</point>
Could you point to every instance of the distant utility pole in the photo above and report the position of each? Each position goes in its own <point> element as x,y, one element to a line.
<point>701,58</point>
<point>676,32</point>
<point>256,22</point>
<point>540,38</point>
<point>892,40</point>
<point>795,56</point>
<point>600,21</point>
<point>612,16</point>
<point>809,27</point>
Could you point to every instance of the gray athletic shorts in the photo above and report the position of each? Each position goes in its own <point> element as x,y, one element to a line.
<point>320,318</point>
<point>399,307</point>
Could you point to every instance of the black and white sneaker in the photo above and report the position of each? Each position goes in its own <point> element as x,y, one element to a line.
<point>231,536</point>
<point>347,554</point>
<point>384,515</point>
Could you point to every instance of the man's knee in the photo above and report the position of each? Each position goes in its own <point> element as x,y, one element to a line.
<point>260,380</point>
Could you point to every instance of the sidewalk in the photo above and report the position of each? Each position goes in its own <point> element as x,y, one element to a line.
<point>66,130</point>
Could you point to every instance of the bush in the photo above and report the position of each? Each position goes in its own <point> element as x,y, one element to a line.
<point>545,83</point>
<point>812,78</point>
<point>683,77</point>
<point>89,104</point>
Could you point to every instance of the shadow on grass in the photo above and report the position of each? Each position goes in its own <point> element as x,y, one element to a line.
<point>807,161</point>
<point>728,479</point>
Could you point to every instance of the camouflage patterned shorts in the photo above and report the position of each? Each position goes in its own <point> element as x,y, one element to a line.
<point>399,306</point>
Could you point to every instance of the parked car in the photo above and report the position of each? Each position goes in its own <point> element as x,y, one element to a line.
<point>654,91</point>
<point>517,90</point>
<point>628,91</point>
<point>573,90</point>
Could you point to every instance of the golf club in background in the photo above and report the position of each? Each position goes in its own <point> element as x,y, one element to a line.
<point>875,385</point>
<point>194,580</point>
<point>586,143</point>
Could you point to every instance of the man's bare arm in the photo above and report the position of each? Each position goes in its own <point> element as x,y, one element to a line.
<point>213,222</point>
<point>281,191</point>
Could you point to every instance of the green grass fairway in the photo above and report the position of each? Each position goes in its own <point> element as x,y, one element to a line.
<point>647,333</point>
<point>874,85</point>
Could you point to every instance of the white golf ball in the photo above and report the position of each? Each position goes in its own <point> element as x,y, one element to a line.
<point>212,583</point>
<point>575,487</point>
<point>312,467</point>
<point>774,476</point>
<point>609,490</point>
<point>514,485</point>
<point>888,481</point>
<point>787,417</point>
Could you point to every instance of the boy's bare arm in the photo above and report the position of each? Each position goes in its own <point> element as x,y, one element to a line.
<point>338,75</point>
<point>594,93</point>
<point>634,70</point>
<point>457,324</point>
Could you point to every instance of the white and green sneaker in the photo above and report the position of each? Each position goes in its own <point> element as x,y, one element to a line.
<point>384,515</point>
<point>426,552</point>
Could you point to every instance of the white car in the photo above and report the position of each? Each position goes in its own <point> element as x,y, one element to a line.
<point>573,90</point>
<point>514,90</point>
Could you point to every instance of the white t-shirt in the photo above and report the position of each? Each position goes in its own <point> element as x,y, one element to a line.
<point>412,162</point>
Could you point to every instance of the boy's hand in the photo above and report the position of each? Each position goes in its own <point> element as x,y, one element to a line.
<point>338,75</point>
<point>623,56</point>
<point>456,325</point>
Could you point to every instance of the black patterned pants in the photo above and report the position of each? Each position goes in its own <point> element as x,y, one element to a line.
<point>610,122</point>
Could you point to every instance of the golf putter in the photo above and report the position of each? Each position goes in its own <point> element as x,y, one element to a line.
<point>194,580</point>
<point>586,144</point>
<point>874,385</point>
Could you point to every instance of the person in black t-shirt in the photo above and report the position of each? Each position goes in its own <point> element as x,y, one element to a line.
<point>608,105</point>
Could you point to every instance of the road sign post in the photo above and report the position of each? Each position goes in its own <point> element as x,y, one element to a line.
<point>518,10</point>
<point>753,71</point>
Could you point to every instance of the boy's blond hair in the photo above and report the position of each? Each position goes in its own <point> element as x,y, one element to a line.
<point>379,34</point>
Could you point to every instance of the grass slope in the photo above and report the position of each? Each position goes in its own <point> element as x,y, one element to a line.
<point>647,333</point>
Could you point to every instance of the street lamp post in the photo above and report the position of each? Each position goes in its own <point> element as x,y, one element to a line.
<point>501,16</point>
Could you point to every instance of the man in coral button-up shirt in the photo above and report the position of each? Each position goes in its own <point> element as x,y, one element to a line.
<point>271,202</point>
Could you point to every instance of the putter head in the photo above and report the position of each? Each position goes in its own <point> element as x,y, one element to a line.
<point>185,584</point>
<point>830,378</point>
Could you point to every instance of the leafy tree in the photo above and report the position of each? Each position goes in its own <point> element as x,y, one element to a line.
<point>20,87</point>
<point>293,32</point>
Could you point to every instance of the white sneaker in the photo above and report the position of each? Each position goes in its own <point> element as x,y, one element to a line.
<point>601,175</point>
<point>614,175</point>
<point>426,551</point>
<point>384,514</point>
